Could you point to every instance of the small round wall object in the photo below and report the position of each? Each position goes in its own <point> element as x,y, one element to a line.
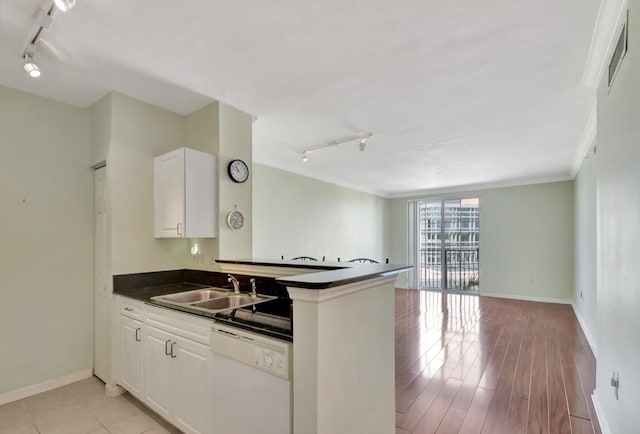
<point>235,220</point>
<point>238,171</point>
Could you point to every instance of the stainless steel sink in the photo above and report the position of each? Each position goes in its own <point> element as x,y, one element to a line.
<point>210,300</point>
<point>234,301</point>
<point>194,296</point>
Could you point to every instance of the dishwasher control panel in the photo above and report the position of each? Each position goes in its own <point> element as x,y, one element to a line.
<point>271,361</point>
<point>261,352</point>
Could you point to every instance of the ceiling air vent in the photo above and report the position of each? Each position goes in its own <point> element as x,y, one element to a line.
<point>619,52</point>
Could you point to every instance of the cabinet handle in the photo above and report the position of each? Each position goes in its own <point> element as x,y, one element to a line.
<point>137,334</point>
<point>166,348</point>
<point>128,309</point>
<point>179,229</point>
<point>173,356</point>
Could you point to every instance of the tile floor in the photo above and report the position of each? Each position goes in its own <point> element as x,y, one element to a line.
<point>80,408</point>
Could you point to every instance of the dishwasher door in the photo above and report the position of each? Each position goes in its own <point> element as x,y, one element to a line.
<point>250,383</point>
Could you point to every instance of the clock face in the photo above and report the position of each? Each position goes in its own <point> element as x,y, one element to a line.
<point>238,171</point>
<point>235,220</point>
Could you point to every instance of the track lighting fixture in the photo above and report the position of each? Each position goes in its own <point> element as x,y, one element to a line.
<point>45,20</point>
<point>30,66</point>
<point>65,5</point>
<point>361,137</point>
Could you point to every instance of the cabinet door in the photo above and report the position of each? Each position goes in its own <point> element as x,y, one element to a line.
<point>158,374</point>
<point>191,364</point>
<point>131,356</point>
<point>169,194</point>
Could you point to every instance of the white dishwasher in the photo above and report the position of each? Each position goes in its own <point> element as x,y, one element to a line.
<point>250,382</point>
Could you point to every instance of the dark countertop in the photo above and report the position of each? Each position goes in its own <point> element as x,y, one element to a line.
<point>329,274</point>
<point>260,321</point>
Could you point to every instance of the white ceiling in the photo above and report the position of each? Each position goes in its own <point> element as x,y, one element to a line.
<point>456,94</point>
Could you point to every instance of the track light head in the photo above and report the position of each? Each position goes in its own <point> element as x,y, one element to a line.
<point>31,67</point>
<point>363,143</point>
<point>65,5</point>
<point>305,158</point>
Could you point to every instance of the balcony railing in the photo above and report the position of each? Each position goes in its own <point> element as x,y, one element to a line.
<point>460,271</point>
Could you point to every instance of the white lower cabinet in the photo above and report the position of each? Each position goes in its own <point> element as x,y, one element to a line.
<point>130,335</point>
<point>165,361</point>
<point>175,377</point>
<point>158,369</point>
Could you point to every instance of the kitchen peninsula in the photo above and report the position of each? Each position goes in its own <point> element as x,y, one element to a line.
<point>340,317</point>
<point>343,352</point>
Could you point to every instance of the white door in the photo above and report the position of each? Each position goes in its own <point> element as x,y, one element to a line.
<point>191,364</point>
<point>101,317</point>
<point>158,373</point>
<point>131,355</point>
<point>169,194</point>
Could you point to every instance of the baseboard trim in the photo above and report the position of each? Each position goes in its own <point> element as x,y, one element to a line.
<point>604,425</point>
<point>525,298</point>
<point>585,330</point>
<point>45,386</point>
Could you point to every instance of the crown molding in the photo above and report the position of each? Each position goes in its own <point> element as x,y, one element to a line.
<point>483,186</point>
<point>586,140</point>
<point>610,17</point>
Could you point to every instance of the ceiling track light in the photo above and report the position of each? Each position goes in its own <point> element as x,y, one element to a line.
<point>363,143</point>
<point>361,137</point>
<point>65,5</point>
<point>46,20</point>
<point>30,66</point>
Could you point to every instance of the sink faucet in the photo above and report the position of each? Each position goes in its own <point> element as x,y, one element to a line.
<point>253,286</point>
<point>234,281</point>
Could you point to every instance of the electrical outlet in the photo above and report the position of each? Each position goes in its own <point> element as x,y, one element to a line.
<point>615,383</point>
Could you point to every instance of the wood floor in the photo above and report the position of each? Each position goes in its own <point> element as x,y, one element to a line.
<point>468,364</point>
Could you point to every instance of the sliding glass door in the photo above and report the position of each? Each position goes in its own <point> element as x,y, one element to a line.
<point>446,243</point>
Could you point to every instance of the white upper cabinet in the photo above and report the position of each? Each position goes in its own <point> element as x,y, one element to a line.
<point>186,194</point>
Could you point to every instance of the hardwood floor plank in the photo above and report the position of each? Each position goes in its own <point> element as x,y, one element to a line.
<point>498,413</point>
<point>490,376</point>
<point>472,364</point>
<point>464,397</point>
<point>538,418</point>
<point>477,412</point>
<point>421,404</point>
<point>576,398</point>
<point>558,409</point>
<point>452,421</point>
<point>581,426</point>
<point>522,385</point>
<point>517,419</point>
<point>434,416</point>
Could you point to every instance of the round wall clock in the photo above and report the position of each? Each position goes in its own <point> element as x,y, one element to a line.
<point>238,171</point>
<point>235,220</point>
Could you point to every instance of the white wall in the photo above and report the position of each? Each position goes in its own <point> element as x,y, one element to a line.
<point>526,239</point>
<point>139,132</point>
<point>298,216</point>
<point>236,135</point>
<point>46,227</point>
<point>585,247</point>
<point>618,182</point>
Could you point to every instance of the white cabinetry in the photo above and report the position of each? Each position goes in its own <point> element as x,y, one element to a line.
<point>176,369</point>
<point>158,393</point>
<point>130,346</point>
<point>185,194</point>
